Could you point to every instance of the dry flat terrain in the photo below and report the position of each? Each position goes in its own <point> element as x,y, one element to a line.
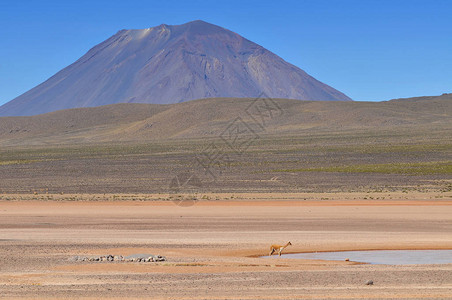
<point>121,180</point>
<point>212,247</point>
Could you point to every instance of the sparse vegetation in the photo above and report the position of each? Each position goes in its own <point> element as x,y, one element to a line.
<point>17,162</point>
<point>303,158</point>
<point>423,168</point>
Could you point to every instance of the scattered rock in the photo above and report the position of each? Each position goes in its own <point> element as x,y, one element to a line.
<point>118,258</point>
<point>160,258</point>
<point>370,282</point>
<point>74,258</point>
<point>347,259</point>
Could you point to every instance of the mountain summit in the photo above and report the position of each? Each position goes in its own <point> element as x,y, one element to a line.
<point>169,64</point>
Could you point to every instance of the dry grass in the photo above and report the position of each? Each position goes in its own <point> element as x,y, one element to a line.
<point>312,147</point>
<point>424,168</point>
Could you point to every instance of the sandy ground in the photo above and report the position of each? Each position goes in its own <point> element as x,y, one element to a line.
<point>212,247</point>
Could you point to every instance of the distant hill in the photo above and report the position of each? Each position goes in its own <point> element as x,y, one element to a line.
<point>210,117</point>
<point>170,64</point>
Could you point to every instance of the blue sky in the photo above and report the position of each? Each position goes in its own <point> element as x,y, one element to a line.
<point>369,49</point>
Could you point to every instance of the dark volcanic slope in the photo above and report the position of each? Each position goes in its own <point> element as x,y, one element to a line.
<point>170,64</point>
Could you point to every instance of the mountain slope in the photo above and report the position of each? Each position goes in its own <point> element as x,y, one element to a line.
<point>208,118</point>
<point>170,64</point>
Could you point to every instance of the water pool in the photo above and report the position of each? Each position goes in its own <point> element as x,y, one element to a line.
<point>386,257</point>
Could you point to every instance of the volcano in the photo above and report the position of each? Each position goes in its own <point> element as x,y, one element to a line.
<point>170,64</point>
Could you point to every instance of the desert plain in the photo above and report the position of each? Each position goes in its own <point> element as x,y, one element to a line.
<point>98,181</point>
<point>213,248</point>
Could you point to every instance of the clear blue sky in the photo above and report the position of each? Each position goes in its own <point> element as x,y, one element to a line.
<point>369,49</point>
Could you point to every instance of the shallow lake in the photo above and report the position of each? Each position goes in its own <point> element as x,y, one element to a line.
<point>386,257</point>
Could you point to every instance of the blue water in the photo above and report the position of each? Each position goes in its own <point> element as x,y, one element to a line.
<point>385,257</point>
